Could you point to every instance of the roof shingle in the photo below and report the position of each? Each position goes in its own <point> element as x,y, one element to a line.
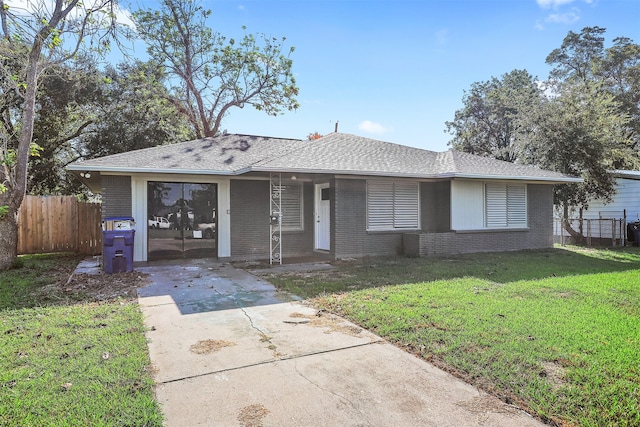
<point>336,153</point>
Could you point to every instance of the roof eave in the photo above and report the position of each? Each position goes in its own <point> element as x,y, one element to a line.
<point>548,180</point>
<point>120,169</point>
<point>545,179</point>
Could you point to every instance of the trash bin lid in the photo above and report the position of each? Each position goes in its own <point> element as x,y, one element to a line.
<point>118,223</point>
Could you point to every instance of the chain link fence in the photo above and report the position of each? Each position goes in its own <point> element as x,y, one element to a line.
<point>604,232</point>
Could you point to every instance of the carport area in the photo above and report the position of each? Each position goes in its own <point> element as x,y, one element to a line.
<point>228,350</point>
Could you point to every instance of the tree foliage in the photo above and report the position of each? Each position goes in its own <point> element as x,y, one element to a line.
<point>583,59</point>
<point>36,36</point>
<point>134,112</point>
<point>580,134</point>
<point>67,94</point>
<point>214,74</point>
<point>85,112</point>
<point>495,117</point>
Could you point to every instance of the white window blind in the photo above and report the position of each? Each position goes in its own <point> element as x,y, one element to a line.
<point>392,205</point>
<point>516,205</point>
<point>505,205</point>
<point>291,205</point>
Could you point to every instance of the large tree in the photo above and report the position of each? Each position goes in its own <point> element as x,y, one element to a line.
<point>581,133</point>
<point>134,112</point>
<point>583,58</point>
<point>214,74</point>
<point>67,96</point>
<point>495,118</point>
<point>36,36</point>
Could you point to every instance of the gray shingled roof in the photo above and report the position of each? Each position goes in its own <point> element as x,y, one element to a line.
<point>336,153</point>
<point>223,155</point>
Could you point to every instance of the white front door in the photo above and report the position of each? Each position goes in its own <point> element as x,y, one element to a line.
<point>322,218</point>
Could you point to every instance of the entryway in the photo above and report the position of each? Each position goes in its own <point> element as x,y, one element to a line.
<point>322,217</point>
<point>182,220</point>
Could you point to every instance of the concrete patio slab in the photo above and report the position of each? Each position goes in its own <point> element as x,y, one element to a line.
<point>203,285</point>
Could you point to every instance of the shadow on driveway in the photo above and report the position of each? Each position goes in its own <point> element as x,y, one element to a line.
<point>203,285</point>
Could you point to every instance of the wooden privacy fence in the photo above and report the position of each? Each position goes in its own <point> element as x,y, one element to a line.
<point>59,224</point>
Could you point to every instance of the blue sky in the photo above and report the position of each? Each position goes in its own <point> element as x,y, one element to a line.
<point>396,70</point>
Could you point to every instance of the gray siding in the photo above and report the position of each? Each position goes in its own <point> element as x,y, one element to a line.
<point>116,196</point>
<point>250,222</point>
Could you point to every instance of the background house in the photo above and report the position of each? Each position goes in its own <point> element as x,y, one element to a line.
<point>336,197</point>
<point>626,200</point>
<point>606,223</point>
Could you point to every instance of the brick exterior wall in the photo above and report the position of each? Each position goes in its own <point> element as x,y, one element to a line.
<point>349,235</point>
<point>250,222</point>
<point>116,196</point>
<point>249,202</point>
<point>435,206</point>
<point>538,236</point>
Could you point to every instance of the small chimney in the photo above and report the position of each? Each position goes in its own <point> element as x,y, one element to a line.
<point>336,126</point>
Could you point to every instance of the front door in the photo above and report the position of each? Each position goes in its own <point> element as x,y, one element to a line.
<point>322,214</point>
<point>182,220</point>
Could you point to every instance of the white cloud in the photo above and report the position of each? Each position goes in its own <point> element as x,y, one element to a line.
<point>564,18</point>
<point>44,8</point>
<point>373,127</point>
<point>554,4</point>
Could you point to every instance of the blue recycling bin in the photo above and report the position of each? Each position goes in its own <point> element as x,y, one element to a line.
<point>118,234</point>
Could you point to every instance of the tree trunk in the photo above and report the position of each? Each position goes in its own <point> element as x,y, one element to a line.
<point>577,235</point>
<point>8,239</point>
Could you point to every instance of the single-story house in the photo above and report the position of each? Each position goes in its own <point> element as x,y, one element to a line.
<point>242,197</point>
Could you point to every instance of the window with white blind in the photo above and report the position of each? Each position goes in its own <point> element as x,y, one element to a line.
<point>393,205</point>
<point>292,207</point>
<point>505,205</point>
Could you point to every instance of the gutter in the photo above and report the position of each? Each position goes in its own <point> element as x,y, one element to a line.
<point>451,175</point>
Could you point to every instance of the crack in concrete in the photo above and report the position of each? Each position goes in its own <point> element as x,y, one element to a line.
<point>339,396</point>
<point>266,362</point>
<point>251,322</point>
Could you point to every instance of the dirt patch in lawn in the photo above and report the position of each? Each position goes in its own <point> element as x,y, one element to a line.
<point>554,373</point>
<point>322,319</point>
<point>102,286</point>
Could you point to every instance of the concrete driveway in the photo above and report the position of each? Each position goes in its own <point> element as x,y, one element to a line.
<point>231,351</point>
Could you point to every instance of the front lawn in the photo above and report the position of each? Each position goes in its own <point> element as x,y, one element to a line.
<point>67,360</point>
<point>555,332</point>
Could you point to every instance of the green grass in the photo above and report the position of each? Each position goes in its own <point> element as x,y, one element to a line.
<point>556,332</point>
<point>31,284</point>
<point>70,363</point>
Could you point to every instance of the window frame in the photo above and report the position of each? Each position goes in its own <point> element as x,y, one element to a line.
<point>505,205</point>
<point>401,196</point>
